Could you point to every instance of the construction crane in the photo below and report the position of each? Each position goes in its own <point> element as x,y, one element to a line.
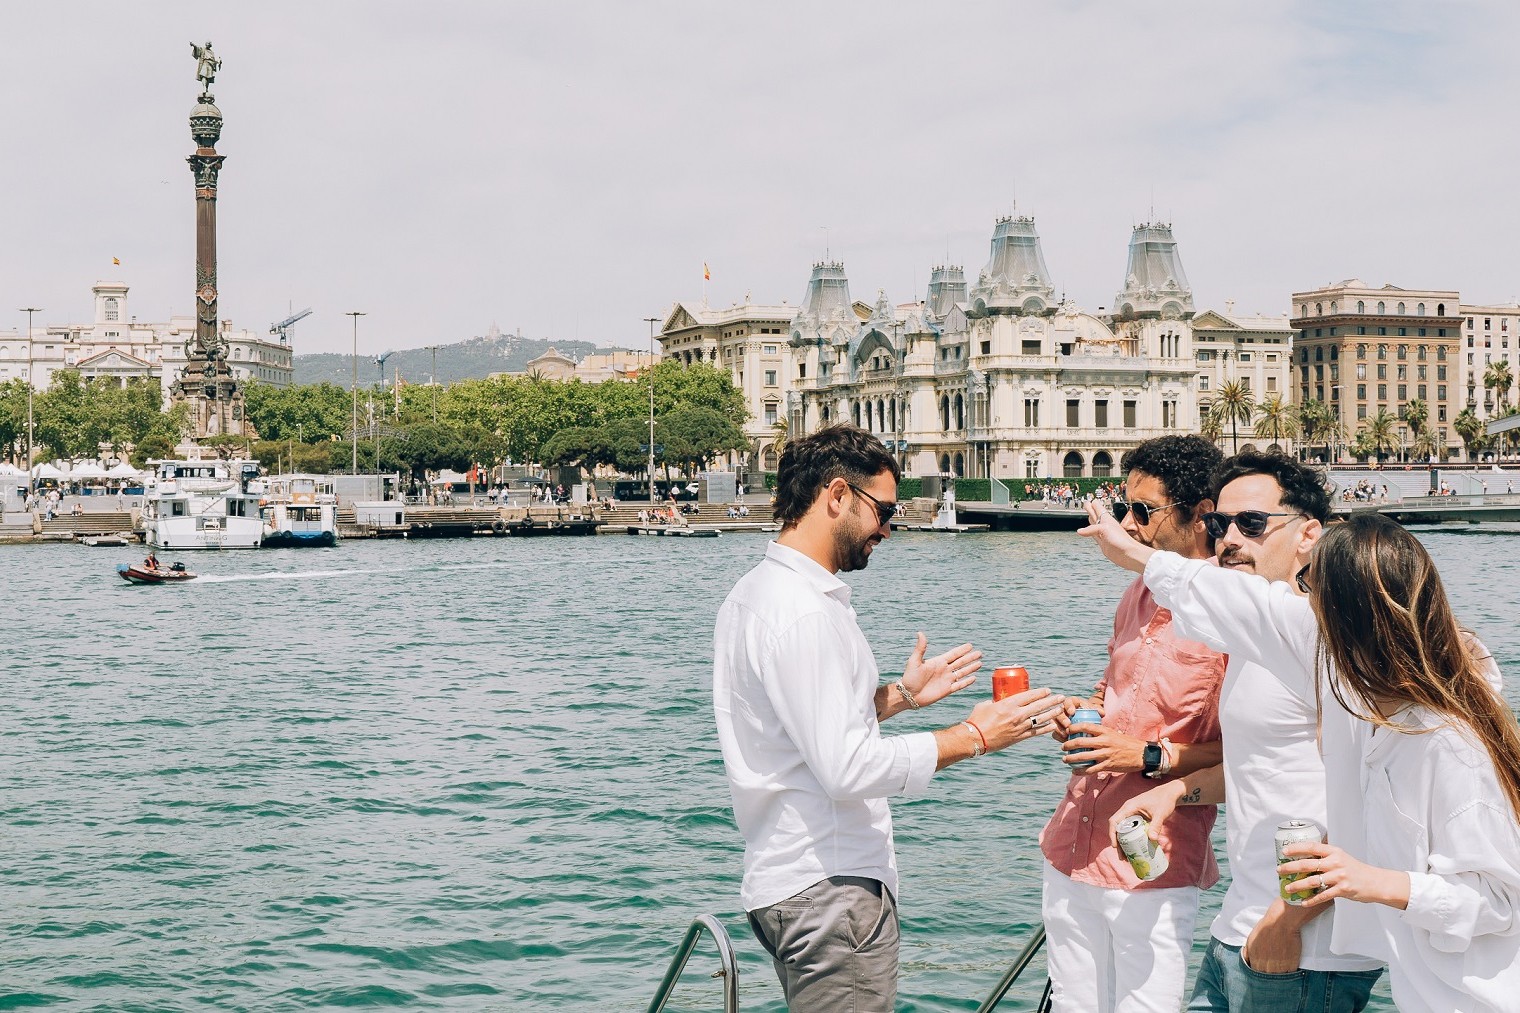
<point>284,327</point>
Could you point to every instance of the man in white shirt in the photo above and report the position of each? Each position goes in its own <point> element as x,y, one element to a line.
<point>798,707</point>
<point>1264,954</point>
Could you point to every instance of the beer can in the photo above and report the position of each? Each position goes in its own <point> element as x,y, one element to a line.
<point>1289,833</point>
<point>1008,680</point>
<point>1145,855</point>
<point>1083,716</point>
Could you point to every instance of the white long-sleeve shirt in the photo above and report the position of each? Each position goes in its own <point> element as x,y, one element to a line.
<point>794,685</point>
<point>1428,803</point>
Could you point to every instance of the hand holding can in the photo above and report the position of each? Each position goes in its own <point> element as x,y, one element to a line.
<point>1083,716</point>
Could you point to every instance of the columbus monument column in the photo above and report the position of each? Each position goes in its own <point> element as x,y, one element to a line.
<point>207,384</point>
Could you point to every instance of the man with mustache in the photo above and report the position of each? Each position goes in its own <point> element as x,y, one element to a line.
<point>798,703</point>
<point>1264,954</point>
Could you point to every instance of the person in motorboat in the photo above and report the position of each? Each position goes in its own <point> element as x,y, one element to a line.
<point>151,563</point>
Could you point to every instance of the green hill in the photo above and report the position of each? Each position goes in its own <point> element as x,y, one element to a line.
<point>476,358</point>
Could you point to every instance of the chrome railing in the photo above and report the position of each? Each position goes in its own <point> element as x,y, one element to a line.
<point>729,971</point>
<point>1025,957</point>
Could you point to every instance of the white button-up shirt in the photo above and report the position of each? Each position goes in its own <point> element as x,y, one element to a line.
<point>794,685</point>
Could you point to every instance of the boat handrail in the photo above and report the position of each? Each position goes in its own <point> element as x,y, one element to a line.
<point>1022,961</point>
<point>728,971</point>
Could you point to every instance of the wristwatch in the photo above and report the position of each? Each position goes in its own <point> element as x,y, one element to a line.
<point>1152,759</point>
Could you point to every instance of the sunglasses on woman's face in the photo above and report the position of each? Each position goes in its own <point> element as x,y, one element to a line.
<point>1143,511</point>
<point>1251,523</point>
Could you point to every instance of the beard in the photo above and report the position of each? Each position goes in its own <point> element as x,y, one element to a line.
<point>852,547</point>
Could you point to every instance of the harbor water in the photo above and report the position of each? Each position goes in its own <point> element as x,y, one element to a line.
<point>481,774</point>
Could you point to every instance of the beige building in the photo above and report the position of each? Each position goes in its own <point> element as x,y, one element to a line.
<point>114,345</point>
<point>751,343</point>
<point>607,364</point>
<point>1361,349</point>
<point>1254,350</point>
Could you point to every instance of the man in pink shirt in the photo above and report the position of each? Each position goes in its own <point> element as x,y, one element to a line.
<point>1117,944</point>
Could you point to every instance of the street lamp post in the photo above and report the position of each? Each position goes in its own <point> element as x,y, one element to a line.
<point>651,321</point>
<point>31,385</point>
<point>356,314</point>
<point>434,383</point>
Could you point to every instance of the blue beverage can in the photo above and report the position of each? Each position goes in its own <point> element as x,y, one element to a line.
<point>1083,715</point>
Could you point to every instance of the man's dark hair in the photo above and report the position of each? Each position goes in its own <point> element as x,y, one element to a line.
<point>812,462</point>
<point>1184,464</point>
<point>1303,487</point>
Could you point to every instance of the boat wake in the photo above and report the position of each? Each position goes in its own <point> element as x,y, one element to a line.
<point>234,578</point>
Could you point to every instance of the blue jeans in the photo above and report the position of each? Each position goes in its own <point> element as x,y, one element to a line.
<point>1226,985</point>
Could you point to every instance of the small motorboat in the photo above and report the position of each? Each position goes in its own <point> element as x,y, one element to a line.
<point>135,573</point>
<point>95,541</point>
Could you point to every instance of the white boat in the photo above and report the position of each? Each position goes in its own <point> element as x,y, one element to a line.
<point>203,505</point>
<point>299,510</point>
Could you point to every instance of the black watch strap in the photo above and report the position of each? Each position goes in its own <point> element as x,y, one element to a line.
<point>1152,758</point>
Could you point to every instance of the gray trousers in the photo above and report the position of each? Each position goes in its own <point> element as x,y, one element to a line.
<point>834,946</point>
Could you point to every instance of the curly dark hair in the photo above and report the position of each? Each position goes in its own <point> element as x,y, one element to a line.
<point>812,462</point>
<point>1303,487</point>
<point>1184,464</point>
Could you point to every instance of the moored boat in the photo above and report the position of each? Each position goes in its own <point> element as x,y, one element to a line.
<point>202,505</point>
<point>299,511</point>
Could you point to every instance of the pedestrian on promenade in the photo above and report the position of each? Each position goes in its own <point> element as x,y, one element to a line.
<point>798,702</point>
<point>1422,753</point>
<point>1116,943</point>
<point>1263,953</point>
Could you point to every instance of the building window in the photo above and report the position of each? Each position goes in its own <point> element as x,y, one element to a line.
<point>1440,353</point>
<point>1271,385</point>
<point>1130,411</point>
<point>1073,408</point>
<point>1245,381</point>
<point>1244,357</point>
<point>986,348</point>
<point>1203,380</point>
<point>1440,392</point>
<point>1361,307</point>
<point>1419,372</point>
<point>1031,347</point>
<point>770,414</point>
<point>1381,308</point>
<point>1032,412</point>
<point>1382,371</point>
<point>1169,415</point>
<point>1072,465</point>
<point>1419,392</point>
<point>1440,372</point>
<point>770,378</point>
<point>1204,355</point>
<point>1361,391</point>
<point>1032,468</point>
<point>1361,411</point>
<point>1382,351</point>
<point>1382,392</point>
<point>767,349</point>
<point>1361,371</point>
<point>1403,372</point>
<point>801,370</point>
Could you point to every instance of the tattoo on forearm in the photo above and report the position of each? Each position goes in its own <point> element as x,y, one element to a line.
<point>1193,797</point>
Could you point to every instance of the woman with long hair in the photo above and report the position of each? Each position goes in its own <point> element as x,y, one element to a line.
<point>1422,754</point>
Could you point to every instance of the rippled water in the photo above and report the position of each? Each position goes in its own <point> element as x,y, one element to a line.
<point>482,774</point>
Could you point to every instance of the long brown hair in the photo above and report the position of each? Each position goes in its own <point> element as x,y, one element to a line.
<point>1388,634</point>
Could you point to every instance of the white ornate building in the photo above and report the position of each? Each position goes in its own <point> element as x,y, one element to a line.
<point>1002,379</point>
<point>115,345</point>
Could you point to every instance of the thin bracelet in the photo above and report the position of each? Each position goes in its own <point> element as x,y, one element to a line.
<point>1166,757</point>
<point>912,703</point>
<point>980,745</point>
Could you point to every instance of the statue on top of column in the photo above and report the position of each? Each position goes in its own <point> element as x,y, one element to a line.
<point>206,65</point>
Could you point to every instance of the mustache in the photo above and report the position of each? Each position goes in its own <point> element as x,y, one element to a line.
<point>1233,555</point>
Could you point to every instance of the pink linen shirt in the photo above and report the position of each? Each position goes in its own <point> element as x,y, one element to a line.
<point>1156,686</point>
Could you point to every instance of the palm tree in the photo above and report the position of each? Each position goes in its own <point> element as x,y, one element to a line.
<point>1210,429</point>
<point>1234,403</point>
<point>1314,420</point>
<point>1498,377</point>
<point>1414,413</point>
<point>1378,435</point>
<point>1425,446</point>
<point>1470,428</point>
<point>1276,418</point>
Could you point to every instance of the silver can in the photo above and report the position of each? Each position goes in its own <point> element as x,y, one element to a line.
<point>1289,833</point>
<point>1145,855</point>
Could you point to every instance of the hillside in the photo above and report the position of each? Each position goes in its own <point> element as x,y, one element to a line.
<point>475,358</point>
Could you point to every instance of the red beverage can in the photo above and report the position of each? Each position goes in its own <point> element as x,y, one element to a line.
<point>1009,680</point>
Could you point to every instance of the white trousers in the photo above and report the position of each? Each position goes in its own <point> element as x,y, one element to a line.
<point>1117,951</point>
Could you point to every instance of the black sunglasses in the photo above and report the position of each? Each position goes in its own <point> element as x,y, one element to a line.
<point>1252,523</point>
<point>884,511</point>
<point>1143,511</point>
<point>1302,578</point>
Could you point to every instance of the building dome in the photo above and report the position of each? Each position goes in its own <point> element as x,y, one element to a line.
<point>205,125</point>
<point>1015,280</point>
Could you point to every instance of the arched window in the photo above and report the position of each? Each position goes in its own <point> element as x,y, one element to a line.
<point>1440,309</point>
<point>944,415</point>
<point>1382,308</point>
<point>1102,464</point>
<point>960,412</point>
<point>112,312</point>
<point>892,414</point>
<point>1401,309</point>
<point>825,413</point>
<point>960,466</point>
<point>1319,309</point>
<point>1071,465</point>
<point>1303,309</point>
<point>944,464</point>
<point>855,409</point>
<point>1419,309</point>
<point>881,416</point>
<point>1361,307</point>
<point>770,459</point>
<point>1332,309</point>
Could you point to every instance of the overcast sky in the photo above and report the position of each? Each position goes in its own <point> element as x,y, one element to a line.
<point>568,168</point>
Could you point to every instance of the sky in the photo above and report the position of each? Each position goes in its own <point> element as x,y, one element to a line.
<point>567,168</point>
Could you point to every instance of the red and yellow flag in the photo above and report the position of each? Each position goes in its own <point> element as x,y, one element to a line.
<point>706,274</point>
<point>116,261</point>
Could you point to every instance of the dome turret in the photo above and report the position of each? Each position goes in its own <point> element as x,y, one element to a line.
<point>1015,280</point>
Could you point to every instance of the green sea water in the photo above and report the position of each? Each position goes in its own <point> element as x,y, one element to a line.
<point>482,774</point>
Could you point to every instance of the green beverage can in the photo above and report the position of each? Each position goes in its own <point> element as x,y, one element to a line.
<point>1145,855</point>
<point>1289,833</point>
